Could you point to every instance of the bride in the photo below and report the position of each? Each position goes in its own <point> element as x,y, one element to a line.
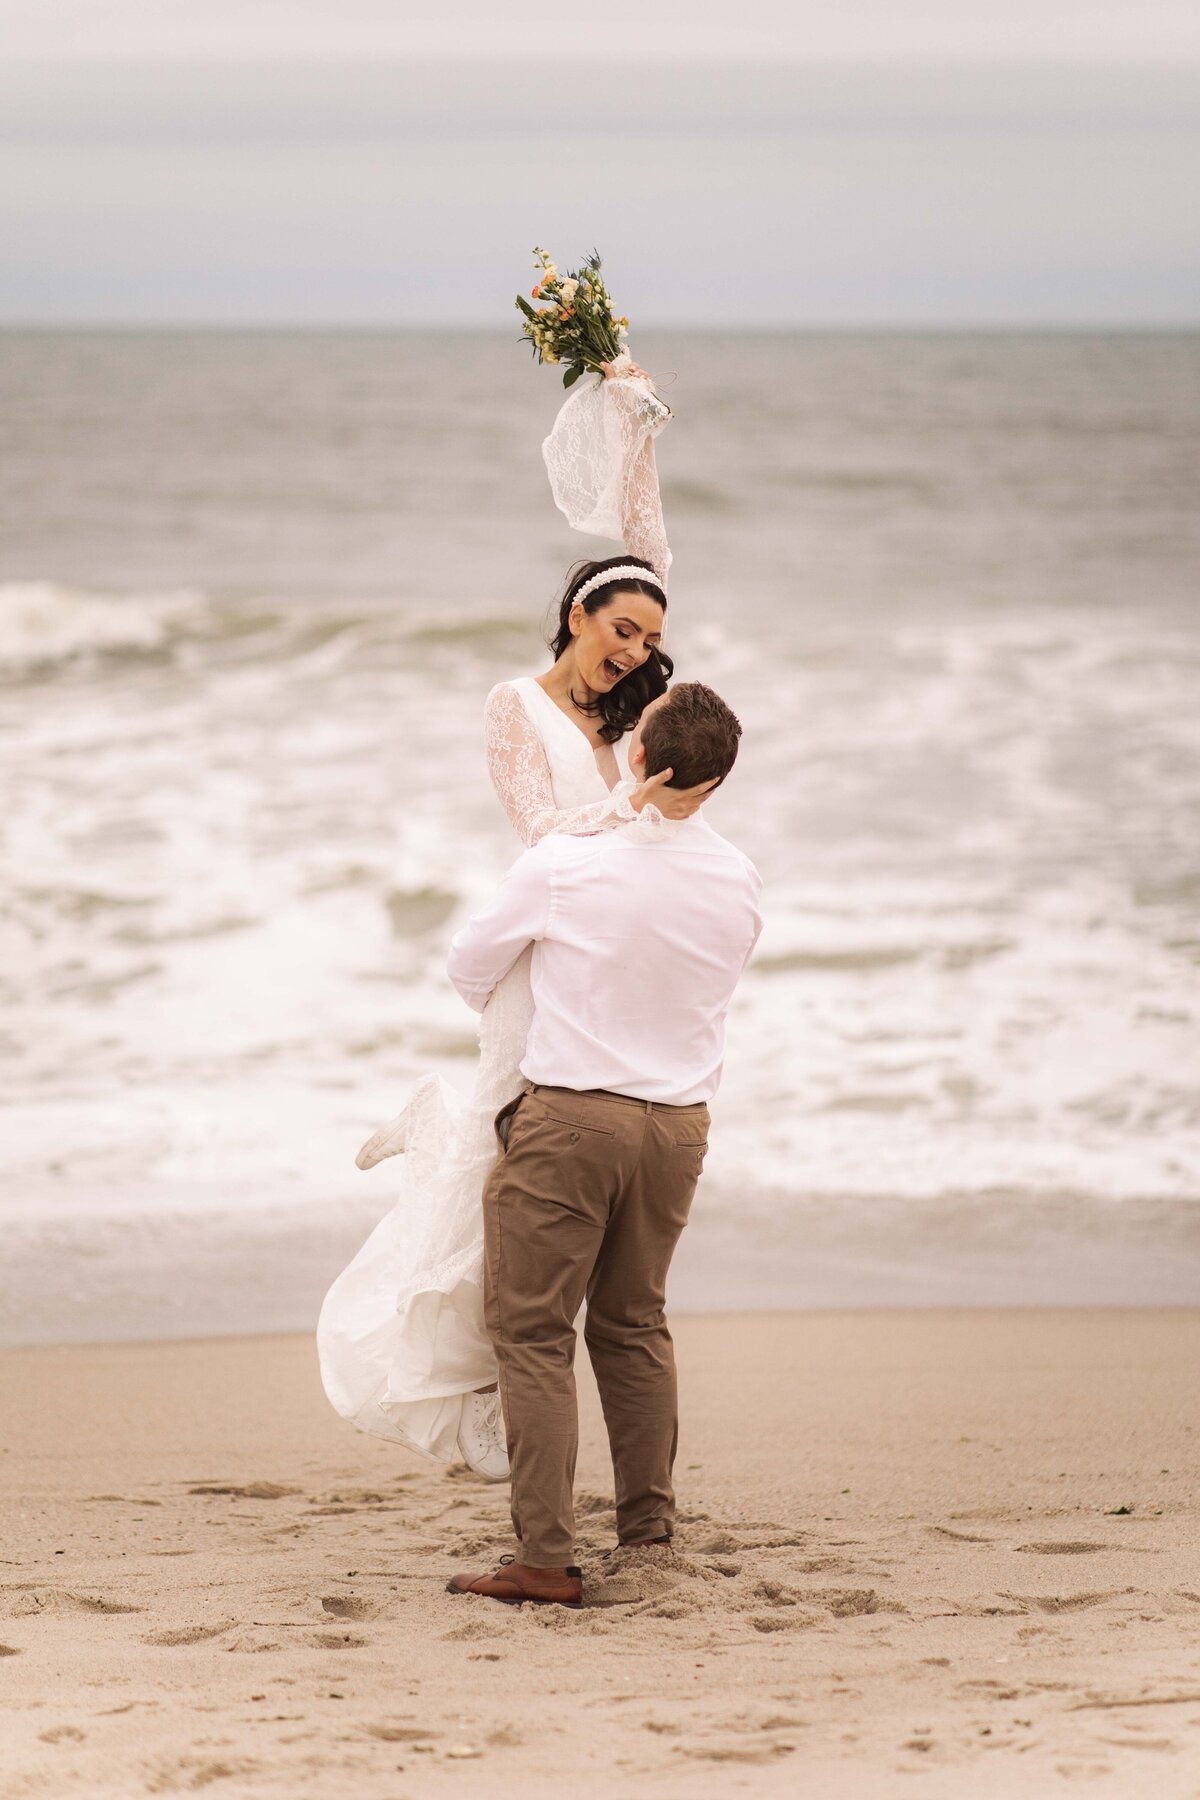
<point>401,1340</point>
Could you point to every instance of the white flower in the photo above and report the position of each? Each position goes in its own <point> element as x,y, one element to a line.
<point>568,292</point>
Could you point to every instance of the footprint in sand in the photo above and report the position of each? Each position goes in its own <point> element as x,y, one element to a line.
<point>254,1490</point>
<point>187,1634</point>
<point>748,1725</point>
<point>1060,1603</point>
<point>720,1543</point>
<point>252,1643</point>
<point>735,1753</point>
<point>9,1650</point>
<point>728,1543</point>
<point>1140,1743</point>
<point>982,1688</point>
<point>632,1576</point>
<point>960,1537</point>
<point>672,1606</point>
<point>173,1776</point>
<point>1106,1703</point>
<point>402,1734</point>
<point>364,1499</point>
<point>776,1593</point>
<point>349,1606</point>
<point>851,1603</point>
<point>969,1609</point>
<point>62,1734</point>
<point>337,1640</point>
<point>475,1628</point>
<point>123,1499</point>
<point>28,1600</point>
<point>588,1505</point>
<point>1072,1547</point>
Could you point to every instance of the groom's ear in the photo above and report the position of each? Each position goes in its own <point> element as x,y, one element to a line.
<point>637,756</point>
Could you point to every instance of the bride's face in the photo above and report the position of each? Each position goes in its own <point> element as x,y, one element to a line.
<point>616,639</point>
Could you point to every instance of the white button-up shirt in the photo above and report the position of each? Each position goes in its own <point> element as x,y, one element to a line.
<point>639,938</point>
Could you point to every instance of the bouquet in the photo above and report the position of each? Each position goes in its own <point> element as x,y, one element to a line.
<point>575,323</point>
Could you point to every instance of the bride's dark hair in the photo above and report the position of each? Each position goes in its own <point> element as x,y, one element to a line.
<point>624,704</point>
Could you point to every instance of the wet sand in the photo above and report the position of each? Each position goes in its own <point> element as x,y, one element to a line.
<point>941,1552</point>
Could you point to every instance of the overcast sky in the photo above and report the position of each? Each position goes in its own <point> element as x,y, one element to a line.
<point>908,30</point>
<point>337,160</point>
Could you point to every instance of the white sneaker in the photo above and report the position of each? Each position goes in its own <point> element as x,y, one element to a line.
<point>481,1436</point>
<point>415,1121</point>
<point>389,1140</point>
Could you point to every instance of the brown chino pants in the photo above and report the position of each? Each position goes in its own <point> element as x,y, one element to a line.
<point>587,1200</point>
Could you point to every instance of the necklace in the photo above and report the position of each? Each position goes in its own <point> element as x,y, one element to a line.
<point>588,710</point>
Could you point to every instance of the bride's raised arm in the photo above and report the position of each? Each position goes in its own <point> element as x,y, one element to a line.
<point>600,460</point>
<point>642,416</point>
<point>520,772</point>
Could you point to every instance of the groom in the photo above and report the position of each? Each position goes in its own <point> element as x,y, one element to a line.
<point>640,935</point>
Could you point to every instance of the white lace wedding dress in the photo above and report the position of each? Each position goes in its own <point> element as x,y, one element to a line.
<point>401,1338</point>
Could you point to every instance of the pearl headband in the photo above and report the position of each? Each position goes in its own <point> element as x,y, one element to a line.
<point>629,570</point>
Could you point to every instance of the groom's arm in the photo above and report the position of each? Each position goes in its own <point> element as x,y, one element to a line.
<point>489,944</point>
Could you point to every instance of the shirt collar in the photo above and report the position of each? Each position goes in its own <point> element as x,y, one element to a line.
<point>656,830</point>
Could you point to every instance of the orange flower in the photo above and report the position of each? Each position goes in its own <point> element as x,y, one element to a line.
<point>536,292</point>
<point>564,315</point>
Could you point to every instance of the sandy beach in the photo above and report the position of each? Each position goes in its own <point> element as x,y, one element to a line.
<point>947,1552</point>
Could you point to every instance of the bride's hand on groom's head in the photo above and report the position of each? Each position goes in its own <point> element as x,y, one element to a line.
<point>672,803</point>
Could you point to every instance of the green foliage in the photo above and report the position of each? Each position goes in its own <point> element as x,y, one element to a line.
<point>575,323</point>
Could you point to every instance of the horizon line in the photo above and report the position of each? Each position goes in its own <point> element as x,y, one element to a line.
<point>460,328</point>
<point>773,59</point>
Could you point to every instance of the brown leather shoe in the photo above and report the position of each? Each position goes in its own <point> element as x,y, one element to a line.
<point>643,1543</point>
<point>514,1582</point>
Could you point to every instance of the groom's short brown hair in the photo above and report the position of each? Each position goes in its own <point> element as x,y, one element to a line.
<point>692,733</point>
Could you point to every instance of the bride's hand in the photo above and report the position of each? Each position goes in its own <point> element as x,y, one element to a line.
<point>634,370</point>
<point>672,803</point>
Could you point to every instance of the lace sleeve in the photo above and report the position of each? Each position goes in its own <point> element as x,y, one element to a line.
<point>600,459</point>
<point>520,772</point>
<point>642,418</point>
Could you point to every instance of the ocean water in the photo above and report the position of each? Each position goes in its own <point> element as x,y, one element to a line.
<point>253,589</point>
